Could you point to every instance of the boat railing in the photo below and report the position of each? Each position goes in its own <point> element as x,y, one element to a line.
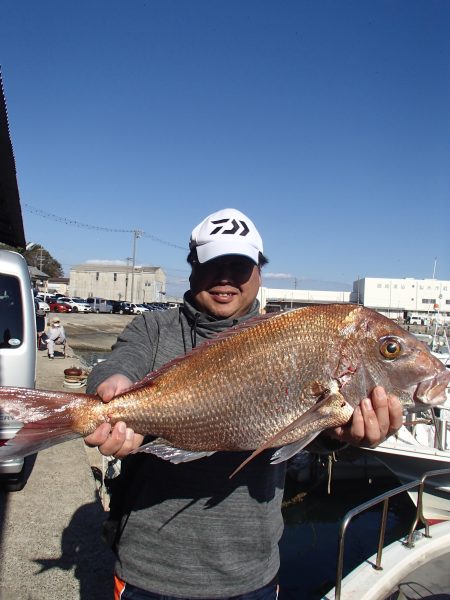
<point>438,418</point>
<point>384,500</point>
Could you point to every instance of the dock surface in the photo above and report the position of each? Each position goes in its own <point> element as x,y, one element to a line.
<point>50,537</point>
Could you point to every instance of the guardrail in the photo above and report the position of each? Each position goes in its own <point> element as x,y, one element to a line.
<point>384,499</point>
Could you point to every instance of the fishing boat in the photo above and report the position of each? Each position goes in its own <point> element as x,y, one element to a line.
<point>414,566</point>
<point>423,444</point>
<point>412,452</point>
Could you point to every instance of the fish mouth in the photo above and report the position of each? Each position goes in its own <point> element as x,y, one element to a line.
<point>432,391</point>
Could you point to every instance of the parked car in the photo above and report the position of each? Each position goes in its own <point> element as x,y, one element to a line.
<point>157,306</point>
<point>46,297</point>
<point>77,304</point>
<point>138,309</point>
<point>123,308</point>
<point>43,305</point>
<point>99,305</point>
<point>17,353</point>
<point>60,307</point>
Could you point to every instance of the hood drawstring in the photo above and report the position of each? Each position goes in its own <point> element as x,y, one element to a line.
<point>203,326</point>
<point>194,330</point>
<point>180,321</point>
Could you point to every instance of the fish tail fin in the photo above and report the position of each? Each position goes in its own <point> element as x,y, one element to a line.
<point>32,420</point>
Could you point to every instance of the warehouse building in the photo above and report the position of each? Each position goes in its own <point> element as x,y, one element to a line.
<point>118,282</point>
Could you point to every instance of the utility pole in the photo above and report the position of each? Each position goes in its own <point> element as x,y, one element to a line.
<point>136,234</point>
<point>128,259</point>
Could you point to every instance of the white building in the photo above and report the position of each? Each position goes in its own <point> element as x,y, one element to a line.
<point>118,282</point>
<point>402,298</point>
<point>395,298</point>
<point>272,299</point>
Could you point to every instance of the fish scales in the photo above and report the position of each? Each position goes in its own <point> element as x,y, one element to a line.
<point>224,396</point>
<point>268,383</point>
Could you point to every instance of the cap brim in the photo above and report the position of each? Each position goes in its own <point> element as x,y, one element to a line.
<point>211,250</point>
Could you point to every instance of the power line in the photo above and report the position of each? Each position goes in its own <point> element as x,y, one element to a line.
<point>47,215</point>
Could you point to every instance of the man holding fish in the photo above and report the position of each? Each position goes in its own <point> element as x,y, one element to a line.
<point>189,530</point>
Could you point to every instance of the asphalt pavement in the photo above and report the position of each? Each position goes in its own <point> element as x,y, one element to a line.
<point>50,537</point>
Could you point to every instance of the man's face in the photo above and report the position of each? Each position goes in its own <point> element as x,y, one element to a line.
<point>226,286</point>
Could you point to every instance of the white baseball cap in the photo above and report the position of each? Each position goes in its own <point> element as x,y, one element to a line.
<point>226,231</point>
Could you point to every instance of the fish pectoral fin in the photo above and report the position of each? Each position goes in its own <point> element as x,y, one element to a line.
<point>163,449</point>
<point>331,411</point>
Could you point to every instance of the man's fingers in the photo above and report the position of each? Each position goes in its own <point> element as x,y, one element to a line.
<point>115,440</point>
<point>381,409</point>
<point>99,436</point>
<point>118,441</point>
<point>132,441</point>
<point>395,414</point>
<point>357,430</point>
<point>372,430</point>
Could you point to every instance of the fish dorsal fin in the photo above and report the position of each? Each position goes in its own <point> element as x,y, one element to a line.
<point>231,331</point>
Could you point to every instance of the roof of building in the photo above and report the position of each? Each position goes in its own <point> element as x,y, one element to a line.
<point>113,267</point>
<point>11,223</point>
<point>35,272</point>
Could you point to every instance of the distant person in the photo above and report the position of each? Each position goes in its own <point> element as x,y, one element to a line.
<point>40,323</point>
<point>188,531</point>
<point>55,335</point>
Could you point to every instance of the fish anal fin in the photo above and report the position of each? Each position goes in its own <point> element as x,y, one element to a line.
<point>331,411</point>
<point>164,449</point>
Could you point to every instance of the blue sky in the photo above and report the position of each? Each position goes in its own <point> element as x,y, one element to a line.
<point>327,122</point>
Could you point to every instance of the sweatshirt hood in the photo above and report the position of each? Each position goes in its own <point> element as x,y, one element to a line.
<point>206,326</point>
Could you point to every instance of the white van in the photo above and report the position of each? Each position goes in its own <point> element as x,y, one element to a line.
<point>17,353</point>
<point>415,320</point>
<point>99,305</point>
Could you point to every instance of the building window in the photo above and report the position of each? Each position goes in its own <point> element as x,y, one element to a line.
<point>97,275</point>
<point>115,276</point>
<point>429,301</point>
<point>378,285</point>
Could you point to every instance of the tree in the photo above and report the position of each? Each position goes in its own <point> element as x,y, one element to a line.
<point>37,256</point>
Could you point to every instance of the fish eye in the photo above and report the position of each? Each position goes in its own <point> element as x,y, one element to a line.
<point>390,348</point>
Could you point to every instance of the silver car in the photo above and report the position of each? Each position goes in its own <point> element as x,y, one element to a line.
<point>17,352</point>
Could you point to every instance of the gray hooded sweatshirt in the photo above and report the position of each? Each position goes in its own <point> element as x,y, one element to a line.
<point>187,529</point>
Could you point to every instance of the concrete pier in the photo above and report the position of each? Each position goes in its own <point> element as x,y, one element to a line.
<point>50,540</point>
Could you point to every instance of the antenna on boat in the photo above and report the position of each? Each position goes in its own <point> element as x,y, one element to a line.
<point>434,267</point>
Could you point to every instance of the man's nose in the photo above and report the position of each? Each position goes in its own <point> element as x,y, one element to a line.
<point>225,273</point>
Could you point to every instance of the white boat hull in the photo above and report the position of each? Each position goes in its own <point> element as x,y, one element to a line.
<point>409,460</point>
<point>399,562</point>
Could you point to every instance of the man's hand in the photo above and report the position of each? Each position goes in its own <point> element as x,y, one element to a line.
<point>373,421</point>
<point>119,440</point>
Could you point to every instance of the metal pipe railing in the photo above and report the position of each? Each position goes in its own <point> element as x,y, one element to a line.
<point>384,498</point>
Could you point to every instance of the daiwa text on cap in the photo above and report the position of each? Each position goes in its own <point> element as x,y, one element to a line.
<point>226,231</point>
